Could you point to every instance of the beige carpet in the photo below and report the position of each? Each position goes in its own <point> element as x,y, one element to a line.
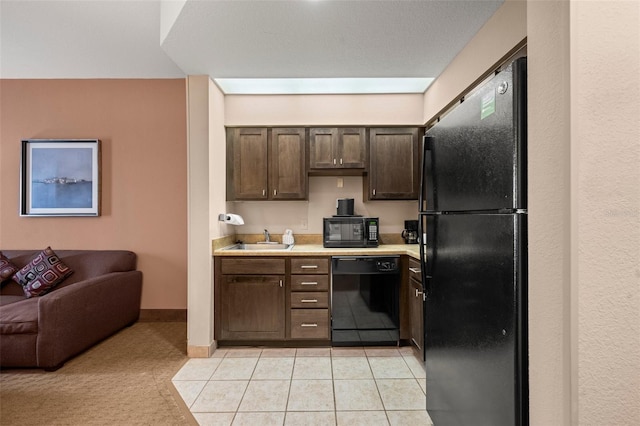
<point>124,380</point>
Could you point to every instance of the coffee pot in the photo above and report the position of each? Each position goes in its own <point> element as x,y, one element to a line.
<point>344,207</point>
<point>410,232</point>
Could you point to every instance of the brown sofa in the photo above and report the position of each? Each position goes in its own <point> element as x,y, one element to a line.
<point>101,297</point>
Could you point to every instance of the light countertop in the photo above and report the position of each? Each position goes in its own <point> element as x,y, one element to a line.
<point>318,250</point>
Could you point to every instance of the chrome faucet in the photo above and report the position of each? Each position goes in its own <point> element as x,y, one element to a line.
<point>267,237</point>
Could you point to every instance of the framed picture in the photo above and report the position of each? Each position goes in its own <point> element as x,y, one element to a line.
<point>60,177</point>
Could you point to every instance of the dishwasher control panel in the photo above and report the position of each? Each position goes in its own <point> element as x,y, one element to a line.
<point>346,265</point>
<point>387,265</point>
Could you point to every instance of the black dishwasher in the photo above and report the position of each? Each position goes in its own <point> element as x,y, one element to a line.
<point>365,306</point>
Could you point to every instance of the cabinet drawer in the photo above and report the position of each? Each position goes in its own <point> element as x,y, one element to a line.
<point>310,300</point>
<point>308,265</point>
<point>238,265</point>
<point>414,270</point>
<point>310,324</point>
<point>309,282</point>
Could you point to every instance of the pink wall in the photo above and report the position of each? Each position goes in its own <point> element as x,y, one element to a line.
<point>142,126</point>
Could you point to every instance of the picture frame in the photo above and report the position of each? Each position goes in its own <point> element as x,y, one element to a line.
<point>60,177</point>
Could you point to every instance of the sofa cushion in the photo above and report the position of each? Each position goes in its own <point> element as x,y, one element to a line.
<point>7,269</point>
<point>43,273</point>
<point>20,317</point>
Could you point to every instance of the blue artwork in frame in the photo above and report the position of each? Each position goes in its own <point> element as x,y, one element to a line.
<point>60,177</point>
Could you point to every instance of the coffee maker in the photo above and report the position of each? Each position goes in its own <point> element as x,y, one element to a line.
<point>410,232</point>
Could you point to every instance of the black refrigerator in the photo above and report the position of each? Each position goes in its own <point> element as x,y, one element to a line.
<point>473,223</point>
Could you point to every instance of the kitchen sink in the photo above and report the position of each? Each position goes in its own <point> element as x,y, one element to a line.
<point>260,246</point>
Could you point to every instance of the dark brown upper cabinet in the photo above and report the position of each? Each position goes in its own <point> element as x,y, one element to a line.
<point>266,164</point>
<point>287,164</point>
<point>337,148</point>
<point>247,177</point>
<point>394,164</point>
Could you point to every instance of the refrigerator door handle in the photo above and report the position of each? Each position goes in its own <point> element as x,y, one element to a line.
<point>425,277</point>
<point>427,143</point>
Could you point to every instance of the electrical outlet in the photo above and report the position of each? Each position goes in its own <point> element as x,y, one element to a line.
<point>340,182</point>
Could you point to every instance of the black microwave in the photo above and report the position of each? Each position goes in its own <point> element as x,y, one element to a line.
<point>351,231</point>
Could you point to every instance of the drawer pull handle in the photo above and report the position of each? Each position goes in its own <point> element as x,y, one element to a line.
<point>309,300</point>
<point>415,270</point>
<point>309,283</point>
<point>308,325</point>
<point>309,267</point>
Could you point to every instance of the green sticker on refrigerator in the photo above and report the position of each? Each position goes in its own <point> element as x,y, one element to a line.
<point>488,105</point>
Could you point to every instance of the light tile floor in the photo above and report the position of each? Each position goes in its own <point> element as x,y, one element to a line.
<point>305,386</point>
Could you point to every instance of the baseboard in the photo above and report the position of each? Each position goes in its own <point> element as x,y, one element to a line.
<point>194,351</point>
<point>163,315</point>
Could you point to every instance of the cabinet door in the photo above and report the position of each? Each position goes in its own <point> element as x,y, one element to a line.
<point>416,313</point>
<point>287,165</point>
<point>322,143</point>
<point>394,164</point>
<point>337,148</point>
<point>253,307</point>
<point>351,150</point>
<point>247,164</point>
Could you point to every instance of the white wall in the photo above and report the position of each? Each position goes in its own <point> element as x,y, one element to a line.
<point>217,164</point>
<point>502,32</point>
<point>305,217</point>
<point>605,214</point>
<point>550,281</point>
<point>584,162</point>
<point>199,276</point>
<point>322,110</point>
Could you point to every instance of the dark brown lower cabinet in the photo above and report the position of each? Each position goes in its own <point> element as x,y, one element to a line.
<point>310,324</point>
<point>252,307</point>
<point>416,308</point>
<point>309,299</point>
<point>250,299</point>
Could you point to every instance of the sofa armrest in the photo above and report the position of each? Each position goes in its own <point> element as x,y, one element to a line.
<point>73,318</point>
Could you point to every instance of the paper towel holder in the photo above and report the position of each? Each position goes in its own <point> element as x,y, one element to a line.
<point>231,219</point>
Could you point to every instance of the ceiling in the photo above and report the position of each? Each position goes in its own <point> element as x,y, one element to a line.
<point>236,39</point>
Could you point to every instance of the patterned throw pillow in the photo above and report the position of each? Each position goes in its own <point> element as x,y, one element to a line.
<point>43,273</point>
<point>7,269</point>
